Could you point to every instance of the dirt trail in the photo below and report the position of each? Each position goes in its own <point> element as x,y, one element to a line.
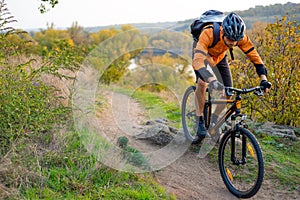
<point>188,177</point>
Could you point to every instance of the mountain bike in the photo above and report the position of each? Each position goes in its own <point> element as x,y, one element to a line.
<point>240,157</point>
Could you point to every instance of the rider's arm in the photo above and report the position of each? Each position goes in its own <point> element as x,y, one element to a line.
<point>248,48</point>
<point>263,77</point>
<point>201,54</point>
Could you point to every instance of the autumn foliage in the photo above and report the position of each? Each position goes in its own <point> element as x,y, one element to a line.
<point>279,46</point>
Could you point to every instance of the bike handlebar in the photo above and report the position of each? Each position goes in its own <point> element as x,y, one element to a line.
<point>259,90</point>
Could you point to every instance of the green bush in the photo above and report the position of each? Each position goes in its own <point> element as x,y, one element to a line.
<point>26,108</point>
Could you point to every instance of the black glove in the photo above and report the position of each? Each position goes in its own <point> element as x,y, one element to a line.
<point>265,84</point>
<point>216,85</point>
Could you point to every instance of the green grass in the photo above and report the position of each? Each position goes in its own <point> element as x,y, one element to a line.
<point>282,158</point>
<point>72,173</point>
<point>62,168</point>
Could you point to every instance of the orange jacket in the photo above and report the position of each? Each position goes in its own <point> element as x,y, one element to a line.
<point>216,54</point>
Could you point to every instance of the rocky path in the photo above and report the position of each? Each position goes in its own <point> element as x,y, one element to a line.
<point>188,177</point>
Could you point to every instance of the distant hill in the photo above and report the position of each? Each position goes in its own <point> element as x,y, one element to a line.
<point>137,25</point>
<point>266,14</point>
<point>269,13</point>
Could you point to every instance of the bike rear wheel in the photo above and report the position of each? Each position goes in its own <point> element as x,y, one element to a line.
<point>241,163</point>
<point>188,113</point>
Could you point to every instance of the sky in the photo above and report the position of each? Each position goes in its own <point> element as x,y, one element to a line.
<point>89,13</point>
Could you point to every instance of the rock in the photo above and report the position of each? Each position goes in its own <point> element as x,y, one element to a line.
<point>150,123</point>
<point>158,132</point>
<point>162,138</point>
<point>161,121</point>
<point>180,138</point>
<point>157,121</point>
<point>173,130</point>
<point>279,130</point>
<point>297,131</point>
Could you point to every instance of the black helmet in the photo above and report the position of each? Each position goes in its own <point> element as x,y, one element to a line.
<point>234,27</point>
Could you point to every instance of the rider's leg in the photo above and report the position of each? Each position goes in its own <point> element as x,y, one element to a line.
<point>223,74</point>
<point>200,97</point>
<point>199,103</point>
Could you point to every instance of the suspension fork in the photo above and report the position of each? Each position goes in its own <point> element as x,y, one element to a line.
<point>234,159</point>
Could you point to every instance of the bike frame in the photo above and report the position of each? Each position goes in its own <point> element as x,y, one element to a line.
<point>236,105</point>
<point>234,111</point>
<point>228,113</point>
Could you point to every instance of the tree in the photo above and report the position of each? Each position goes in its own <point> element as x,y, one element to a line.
<point>113,50</point>
<point>45,4</point>
<point>281,53</point>
<point>77,34</point>
<point>47,39</point>
<point>102,35</point>
<point>279,47</point>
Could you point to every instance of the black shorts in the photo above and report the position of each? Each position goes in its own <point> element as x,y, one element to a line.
<point>222,73</point>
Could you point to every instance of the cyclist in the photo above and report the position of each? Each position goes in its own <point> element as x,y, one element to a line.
<point>232,33</point>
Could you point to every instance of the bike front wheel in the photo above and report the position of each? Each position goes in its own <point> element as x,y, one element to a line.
<point>241,163</point>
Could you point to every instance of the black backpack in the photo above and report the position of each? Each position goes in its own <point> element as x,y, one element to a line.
<point>210,17</point>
